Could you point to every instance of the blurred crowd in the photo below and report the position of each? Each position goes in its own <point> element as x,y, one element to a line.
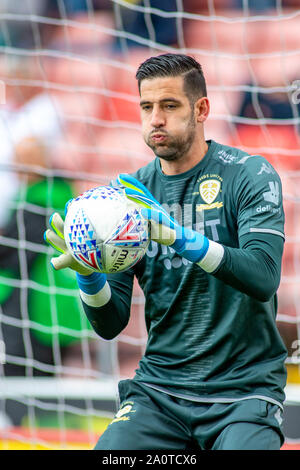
<point>71,121</point>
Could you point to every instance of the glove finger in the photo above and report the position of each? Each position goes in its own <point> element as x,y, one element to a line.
<point>132,183</point>
<point>66,260</point>
<point>55,241</point>
<point>61,262</point>
<point>159,216</point>
<point>139,199</point>
<point>146,213</point>
<point>162,234</point>
<point>162,228</point>
<point>57,224</point>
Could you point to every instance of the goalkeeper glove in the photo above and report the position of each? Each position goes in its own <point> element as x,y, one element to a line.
<point>89,282</point>
<point>187,243</point>
<point>55,237</point>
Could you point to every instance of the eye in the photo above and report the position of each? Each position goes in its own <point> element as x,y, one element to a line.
<point>146,107</point>
<point>170,106</point>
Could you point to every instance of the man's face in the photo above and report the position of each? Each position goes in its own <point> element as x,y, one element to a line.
<point>168,121</point>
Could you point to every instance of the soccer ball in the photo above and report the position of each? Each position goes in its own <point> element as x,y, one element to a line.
<point>105,231</point>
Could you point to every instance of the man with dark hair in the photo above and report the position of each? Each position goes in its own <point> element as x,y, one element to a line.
<point>175,65</point>
<point>213,372</point>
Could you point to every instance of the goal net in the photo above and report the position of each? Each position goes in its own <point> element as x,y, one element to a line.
<point>69,120</point>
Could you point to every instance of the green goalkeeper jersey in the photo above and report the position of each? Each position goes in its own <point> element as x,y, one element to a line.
<point>211,337</point>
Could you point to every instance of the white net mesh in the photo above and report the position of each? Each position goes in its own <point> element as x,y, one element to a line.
<point>69,120</point>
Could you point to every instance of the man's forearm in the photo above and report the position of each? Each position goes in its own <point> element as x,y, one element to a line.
<point>108,310</point>
<point>255,268</point>
<point>109,320</point>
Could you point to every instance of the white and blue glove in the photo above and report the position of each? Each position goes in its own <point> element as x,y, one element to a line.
<point>187,243</point>
<point>94,289</point>
<point>54,236</point>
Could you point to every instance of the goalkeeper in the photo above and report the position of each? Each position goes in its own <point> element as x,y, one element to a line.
<point>213,374</point>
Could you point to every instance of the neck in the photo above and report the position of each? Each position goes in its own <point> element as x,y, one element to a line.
<point>188,161</point>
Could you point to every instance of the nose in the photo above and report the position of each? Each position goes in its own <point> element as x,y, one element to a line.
<point>157,117</point>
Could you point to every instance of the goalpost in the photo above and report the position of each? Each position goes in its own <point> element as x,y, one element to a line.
<point>69,120</point>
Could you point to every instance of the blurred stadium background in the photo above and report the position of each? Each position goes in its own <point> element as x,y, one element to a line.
<point>69,120</point>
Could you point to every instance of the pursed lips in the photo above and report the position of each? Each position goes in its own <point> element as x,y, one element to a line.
<point>158,136</point>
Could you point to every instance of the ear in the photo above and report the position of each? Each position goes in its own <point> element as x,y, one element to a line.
<point>202,108</point>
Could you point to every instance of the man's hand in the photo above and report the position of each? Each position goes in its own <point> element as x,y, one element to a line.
<point>55,238</point>
<point>188,243</point>
<point>164,229</point>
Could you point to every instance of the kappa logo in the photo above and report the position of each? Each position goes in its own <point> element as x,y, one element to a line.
<point>266,168</point>
<point>209,190</point>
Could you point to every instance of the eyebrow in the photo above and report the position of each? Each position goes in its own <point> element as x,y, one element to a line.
<point>165,100</point>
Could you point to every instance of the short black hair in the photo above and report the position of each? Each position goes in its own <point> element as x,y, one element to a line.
<point>174,65</point>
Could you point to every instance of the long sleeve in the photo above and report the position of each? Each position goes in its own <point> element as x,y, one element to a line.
<point>255,267</point>
<point>110,319</point>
